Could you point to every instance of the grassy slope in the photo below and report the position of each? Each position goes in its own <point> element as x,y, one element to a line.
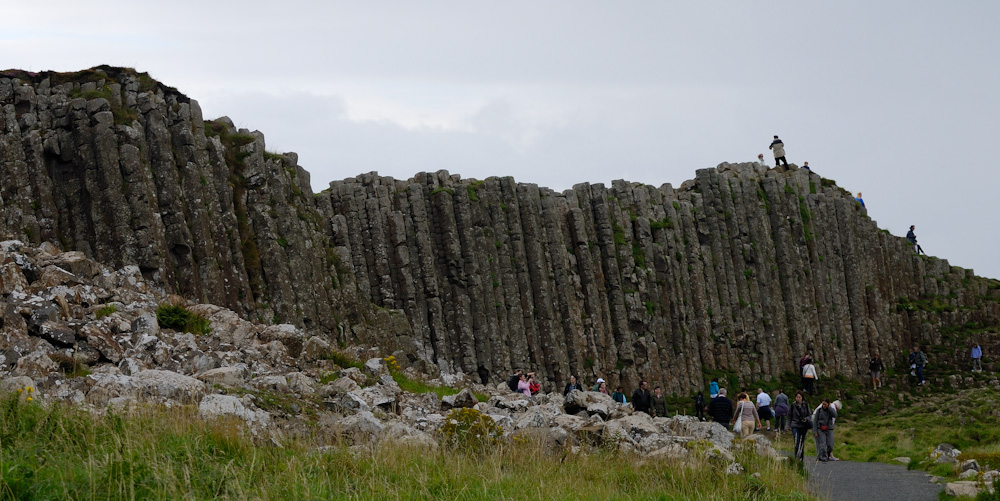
<point>57,452</point>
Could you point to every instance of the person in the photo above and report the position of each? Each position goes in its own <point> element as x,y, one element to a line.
<point>801,422</point>
<point>806,359</point>
<point>809,376</point>
<point>522,386</point>
<point>805,165</point>
<point>745,416</point>
<point>876,367</point>
<point>823,429</point>
<point>602,387</point>
<point>912,361</point>
<point>533,385</point>
<point>659,403</point>
<point>764,407</point>
<point>860,200</point>
<point>780,411</point>
<point>597,385</point>
<point>720,408</point>
<point>713,388</point>
<point>699,406</point>
<point>572,385</point>
<point>836,406</point>
<point>760,160</point>
<point>641,400</point>
<point>513,379</point>
<point>920,360</point>
<point>912,238</point>
<point>977,358</point>
<point>778,148</point>
<point>619,395</point>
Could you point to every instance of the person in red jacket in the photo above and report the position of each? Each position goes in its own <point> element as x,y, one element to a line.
<point>533,385</point>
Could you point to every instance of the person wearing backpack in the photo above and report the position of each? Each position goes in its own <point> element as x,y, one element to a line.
<point>876,367</point>
<point>823,420</point>
<point>920,360</point>
<point>514,379</point>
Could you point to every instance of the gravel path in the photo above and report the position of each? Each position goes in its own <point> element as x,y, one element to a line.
<point>848,480</point>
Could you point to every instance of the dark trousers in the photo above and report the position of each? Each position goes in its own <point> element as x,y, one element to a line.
<point>780,423</point>
<point>920,373</point>
<point>799,434</point>
<point>699,412</point>
<point>810,385</point>
<point>780,160</point>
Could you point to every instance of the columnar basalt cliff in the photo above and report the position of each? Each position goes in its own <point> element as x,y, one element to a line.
<point>740,269</point>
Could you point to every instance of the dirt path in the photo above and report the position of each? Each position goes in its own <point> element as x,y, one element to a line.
<point>848,480</point>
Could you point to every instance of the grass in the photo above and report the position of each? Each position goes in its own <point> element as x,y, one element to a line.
<point>180,319</point>
<point>58,452</point>
<point>105,311</point>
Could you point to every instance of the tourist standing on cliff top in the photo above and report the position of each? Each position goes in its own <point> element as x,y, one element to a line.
<point>778,148</point>
<point>860,200</point>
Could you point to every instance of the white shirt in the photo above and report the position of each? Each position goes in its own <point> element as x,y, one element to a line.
<point>763,399</point>
<point>809,370</point>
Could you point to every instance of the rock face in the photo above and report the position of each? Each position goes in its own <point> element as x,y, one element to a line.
<point>740,269</point>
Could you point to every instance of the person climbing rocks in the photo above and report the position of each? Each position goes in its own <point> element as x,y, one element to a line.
<point>699,406</point>
<point>522,386</point>
<point>823,419</point>
<point>912,238</point>
<point>720,408</point>
<point>860,200</point>
<point>713,388</point>
<point>977,358</point>
<point>533,385</point>
<point>760,160</point>
<point>809,376</point>
<point>778,148</point>
<point>806,359</point>
<point>659,403</point>
<point>572,385</point>
<point>876,367</point>
<point>912,361</point>
<point>920,360</point>
<point>801,422</point>
<point>780,412</point>
<point>764,408</point>
<point>641,399</point>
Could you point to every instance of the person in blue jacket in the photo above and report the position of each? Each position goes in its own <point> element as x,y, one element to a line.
<point>860,200</point>
<point>977,358</point>
<point>713,389</point>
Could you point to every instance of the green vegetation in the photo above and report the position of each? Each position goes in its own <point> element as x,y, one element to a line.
<point>122,114</point>
<point>472,190</point>
<point>179,318</point>
<point>935,303</point>
<point>619,234</point>
<point>665,223</point>
<point>57,452</point>
<point>105,310</point>
<point>443,190</point>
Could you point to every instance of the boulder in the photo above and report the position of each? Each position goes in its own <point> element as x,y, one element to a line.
<point>12,384</point>
<point>375,366</point>
<point>36,364</point>
<point>359,427</point>
<point>968,464</point>
<point>229,405</point>
<point>960,488</point>
<point>634,427</point>
<point>577,401</point>
<point>12,279</point>
<point>339,385</point>
<point>288,335</point>
<point>464,398</point>
<point>231,376</point>
<point>315,348</point>
<point>355,374</point>
<point>103,341</point>
<point>169,385</point>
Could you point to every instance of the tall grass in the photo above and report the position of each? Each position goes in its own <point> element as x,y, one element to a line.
<point>59,452</point>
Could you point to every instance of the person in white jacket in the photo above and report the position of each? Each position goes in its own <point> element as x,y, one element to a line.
<point>809,377</point>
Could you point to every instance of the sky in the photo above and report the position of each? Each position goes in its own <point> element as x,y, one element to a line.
<point>895,99</point>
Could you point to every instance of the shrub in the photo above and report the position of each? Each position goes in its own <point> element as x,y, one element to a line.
<point>180,319</point>
<point>468,429</point>
<point>106,310</point>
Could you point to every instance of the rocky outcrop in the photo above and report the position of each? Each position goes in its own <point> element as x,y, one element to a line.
<point>740,269</point>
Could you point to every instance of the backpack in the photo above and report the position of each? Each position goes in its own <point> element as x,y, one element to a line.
<point>512,382</point>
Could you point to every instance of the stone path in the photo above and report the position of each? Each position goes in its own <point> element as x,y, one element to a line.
<point>849,480</point>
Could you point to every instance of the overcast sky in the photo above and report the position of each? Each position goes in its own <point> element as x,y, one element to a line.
<point>896,99</point>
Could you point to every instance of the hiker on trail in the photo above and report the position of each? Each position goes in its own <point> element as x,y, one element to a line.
<point>659,404</point>
<point>597,385</point>
<point>920,360</point>
<point>779,151</point>
<point>836,406</point>
<point>912,360</point>
<point>641,399</point>
<point>977,358</point>
<point>572,385</point>
<point>780,412</point>
<point>801,420</point>
<point>806,359</point>
<point>823,429</point>
<point>805,165</point>
<point>619,395</point>
<point>760,160</point>
<point>720,408</point>
<point>713,389</point>
<point>699,406</point>
<point>809,376</point>
<point>513,379</point>
<point>522,386</point>
<point>860,200</point>
<point>912,238</point>
<point>876,367</point>
<point>745,416</point>
<point>533,385</point>
<point>764,407</point>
